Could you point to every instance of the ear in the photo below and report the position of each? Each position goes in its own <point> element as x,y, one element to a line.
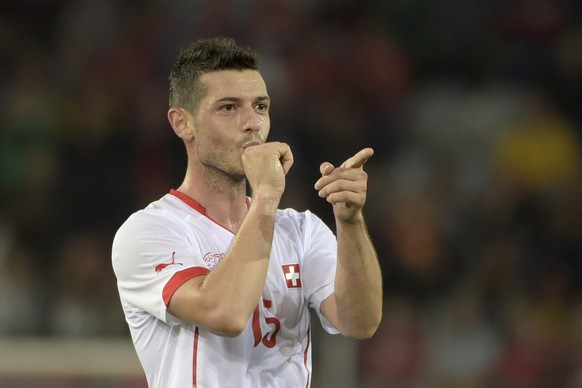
<point>182,123</point>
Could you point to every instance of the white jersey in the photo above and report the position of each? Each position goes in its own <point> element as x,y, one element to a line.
<point>171,241</point>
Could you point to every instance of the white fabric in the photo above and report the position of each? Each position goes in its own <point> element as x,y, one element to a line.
<point>157,249</point>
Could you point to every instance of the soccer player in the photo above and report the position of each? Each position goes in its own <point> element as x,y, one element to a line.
<point>216,286</point>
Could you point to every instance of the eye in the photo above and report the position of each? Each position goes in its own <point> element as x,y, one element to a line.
<point>227,108</point>
<point>262,107</point>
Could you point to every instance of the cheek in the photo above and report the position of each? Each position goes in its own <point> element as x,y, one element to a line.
<point>265,122</point>
<point>210,144</point>
<point>213,144</point>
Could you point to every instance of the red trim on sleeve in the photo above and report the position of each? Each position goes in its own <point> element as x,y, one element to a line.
<point>180,278</point>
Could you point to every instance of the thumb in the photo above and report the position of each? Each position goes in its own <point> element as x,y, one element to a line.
<point>326,168</point>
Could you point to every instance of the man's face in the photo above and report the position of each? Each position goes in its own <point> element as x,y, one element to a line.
<point>233,114</point>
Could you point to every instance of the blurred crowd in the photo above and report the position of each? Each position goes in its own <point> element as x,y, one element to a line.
<point>475,188</point>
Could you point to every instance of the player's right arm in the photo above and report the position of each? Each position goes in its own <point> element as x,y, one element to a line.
<point>224,300</point>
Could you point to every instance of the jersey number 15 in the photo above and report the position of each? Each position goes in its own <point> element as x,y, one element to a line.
<point>268,341</point>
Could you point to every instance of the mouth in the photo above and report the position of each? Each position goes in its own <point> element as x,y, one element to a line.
<point>251,143</point>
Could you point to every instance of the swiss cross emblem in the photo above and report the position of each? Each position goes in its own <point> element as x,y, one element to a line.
<point>292,275</point>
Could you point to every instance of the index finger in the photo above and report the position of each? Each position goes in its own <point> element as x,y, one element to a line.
<point>286,157</point>
<point>359,159</point>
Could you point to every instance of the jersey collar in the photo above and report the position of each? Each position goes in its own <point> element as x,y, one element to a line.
<point>189,201</point>
<point>199,208</point>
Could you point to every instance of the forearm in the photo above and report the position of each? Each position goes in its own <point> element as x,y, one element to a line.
<point>358,281</point>
<point>236,284</point>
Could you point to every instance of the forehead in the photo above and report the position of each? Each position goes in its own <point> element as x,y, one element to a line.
<point>234,83</point>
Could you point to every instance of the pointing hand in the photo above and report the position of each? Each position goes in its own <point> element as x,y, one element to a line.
<point>345,187</point>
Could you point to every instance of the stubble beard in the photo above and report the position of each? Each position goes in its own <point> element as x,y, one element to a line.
<point>221,178</point>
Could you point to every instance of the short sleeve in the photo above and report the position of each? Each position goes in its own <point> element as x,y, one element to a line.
<point>152,257</point>
<point>319,263</point>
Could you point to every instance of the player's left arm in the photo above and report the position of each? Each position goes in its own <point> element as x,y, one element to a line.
<point>355,308</point>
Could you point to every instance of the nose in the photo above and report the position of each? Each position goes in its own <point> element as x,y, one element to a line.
<point>251,120</point>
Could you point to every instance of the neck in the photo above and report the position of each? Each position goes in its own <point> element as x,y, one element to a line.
<point>223,197</point>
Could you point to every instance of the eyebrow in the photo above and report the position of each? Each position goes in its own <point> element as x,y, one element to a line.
<point>259,98</point>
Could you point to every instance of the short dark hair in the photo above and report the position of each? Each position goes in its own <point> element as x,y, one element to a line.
<point>204,56</point>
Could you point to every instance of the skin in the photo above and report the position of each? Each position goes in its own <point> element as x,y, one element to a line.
<point>226,144</point>
<point>355,308</point>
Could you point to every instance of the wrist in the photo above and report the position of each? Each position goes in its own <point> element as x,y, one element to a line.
<point>267,200</point>
<point>353,220</point>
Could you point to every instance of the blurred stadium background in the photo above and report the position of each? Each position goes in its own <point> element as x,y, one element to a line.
<point>473,108</point>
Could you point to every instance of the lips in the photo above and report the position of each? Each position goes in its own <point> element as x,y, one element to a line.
<point>251,143</point>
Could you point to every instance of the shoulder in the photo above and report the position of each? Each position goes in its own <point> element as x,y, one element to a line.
<point>292,214</point>
<point>167,209</point>
<point>306,221</point>
<point>159,227</point>
<point>162,216</point>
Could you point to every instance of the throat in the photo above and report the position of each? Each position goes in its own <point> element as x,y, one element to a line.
<point>230,215</point>
<point>221,182</point>
<point>223,195</point>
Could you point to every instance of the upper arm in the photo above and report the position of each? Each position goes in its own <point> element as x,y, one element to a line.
<point>185,303</point>
<point>152,261</point>
<point>192,303</point>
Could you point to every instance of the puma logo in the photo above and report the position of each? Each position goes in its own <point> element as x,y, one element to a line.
<point>160,267</point>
